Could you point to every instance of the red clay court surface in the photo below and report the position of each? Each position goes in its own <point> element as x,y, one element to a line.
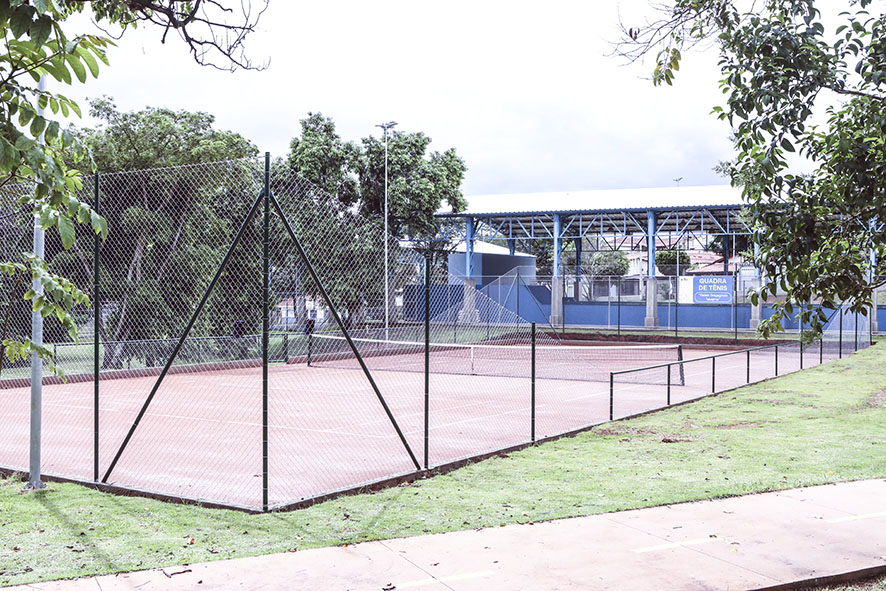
<point>201,438</point>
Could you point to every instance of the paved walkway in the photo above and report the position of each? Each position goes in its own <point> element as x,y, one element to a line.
<point>752,542</point>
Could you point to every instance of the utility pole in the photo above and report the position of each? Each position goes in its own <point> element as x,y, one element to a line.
<point>386,127</point>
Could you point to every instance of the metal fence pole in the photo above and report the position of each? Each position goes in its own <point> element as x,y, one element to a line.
<point>748,381</point>
<point>856,331</point>
<point>266,303</point>
<point>669,385</point>
<point>427,356</point>
<point>611,394</point>
<point>776,360</point>
<point>532,411</point>
<point>309,348</point>
<point>713,375</point>
<point>96,334</point>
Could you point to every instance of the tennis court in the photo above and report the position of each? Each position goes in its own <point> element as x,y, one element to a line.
<point>202,436</point>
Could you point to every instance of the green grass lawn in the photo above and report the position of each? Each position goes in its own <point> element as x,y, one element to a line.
<point>818,426</point>
<point>874,584</point>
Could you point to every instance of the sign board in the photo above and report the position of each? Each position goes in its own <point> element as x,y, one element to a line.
<point>706,289</point>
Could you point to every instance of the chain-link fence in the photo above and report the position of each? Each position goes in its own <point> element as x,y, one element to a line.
<point>250,346</point>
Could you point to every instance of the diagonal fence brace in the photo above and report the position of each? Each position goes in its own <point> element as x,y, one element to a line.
<point>186,332</point>
<point>304,257</point>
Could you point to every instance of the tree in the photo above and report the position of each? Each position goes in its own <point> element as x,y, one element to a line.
<point>37,154</point>
<point>608,263</point>
<point>816,192</point>
<point>669,260</point>
<point>320,156</point>
<point>418,185</point>
<point>167,223</point>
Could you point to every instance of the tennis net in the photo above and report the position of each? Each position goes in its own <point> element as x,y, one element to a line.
<point>553,362</point>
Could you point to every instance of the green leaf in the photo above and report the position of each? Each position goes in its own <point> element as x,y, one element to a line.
<point>20,20</point>
<point>90,60</point>
<point>37,126</point>
<point>76,65</point>
<point>41,29</point>
<point>66,230</point>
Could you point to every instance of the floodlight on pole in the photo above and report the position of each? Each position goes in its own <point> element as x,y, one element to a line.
<point>386,127</point>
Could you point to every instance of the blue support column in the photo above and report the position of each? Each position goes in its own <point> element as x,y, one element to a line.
<point>469,313</point>
<point>469,248</point>
<point>650,243</point>
<point>651,318</point>
<point>512,246</point>
<point>557,280</point>
<point>577,286</point>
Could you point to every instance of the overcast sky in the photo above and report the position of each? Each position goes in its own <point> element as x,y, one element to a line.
<point>523,91</point>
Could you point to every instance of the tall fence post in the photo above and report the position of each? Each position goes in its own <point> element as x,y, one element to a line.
<point>532,410</point>
<point>266,288</point>
<point>856,331</point>
<point>611,395</point>
<point>669,385</point>
<point>749,367</point>
<point>96,334</point>
<point>713,375</point>
<point>427,355</point>
<point>776,360</point>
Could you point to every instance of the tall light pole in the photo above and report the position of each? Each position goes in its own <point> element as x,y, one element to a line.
<point>386,127</point>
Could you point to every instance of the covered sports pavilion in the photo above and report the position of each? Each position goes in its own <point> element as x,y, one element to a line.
<point>618,218</point>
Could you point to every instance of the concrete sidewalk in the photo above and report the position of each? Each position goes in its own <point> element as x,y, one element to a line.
<point>751,542</point>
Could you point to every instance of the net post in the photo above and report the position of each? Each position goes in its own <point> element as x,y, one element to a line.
<point>713,375</point>
<point>682,366</point>
<point>748,380</point>
<point>611,395</point>
<point>776,360</point>
<point>821,348</point>
<point>309,349</point>
<point>96,334</point>
<point>285,347</point>
<point>532,410</point>
<point>266,288</point>
<point>669,385</point>
<point>427,355</point>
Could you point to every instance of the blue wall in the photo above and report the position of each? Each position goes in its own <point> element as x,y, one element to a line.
<point>533,304</point>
